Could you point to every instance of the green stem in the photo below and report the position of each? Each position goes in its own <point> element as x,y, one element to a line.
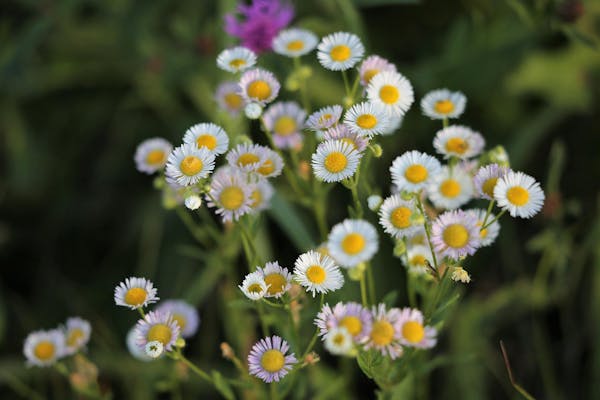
<point>363,291</point>
<point>261,317</point>
<point>273,391</point>
<point>346,84</point>
<point>312,342</point>
<point>427,233</point>
<point>494,220</point>
<point>194,368</point>
<point>191,226</point>
<point>488,212</point>
<point>142,313</point>
<point>371,284</point>
<point>445,122</point>
<point>319,209</point>
<point>303,89</point>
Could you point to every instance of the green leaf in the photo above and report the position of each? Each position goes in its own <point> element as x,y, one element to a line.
<point>369,362</point>
<point>222,386</point>
<point>390,298</point>
<point>291,223</point>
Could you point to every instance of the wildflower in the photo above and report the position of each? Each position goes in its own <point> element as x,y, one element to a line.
<point>486,178</point>
<point>343,133</point>
<point>413,333</point>
<point>228,97</point>
<point>295,42</point>
<point>459,274</point>
<point>183,313</point>
<point>384,335</point>
<point>262,191</point>
<point>417,257</point>
<point>262,21</point>
<point>352,316</point>
<point>253,110</point>
<point>254,286</point>
<point>458,141</point>
<point>372,66</point>
<point>236,59</point>
<point>324,118</point>
<point>154,349</point>
<point>272,165</point>
<point>43,348</point>
<point>455,234</point>
<point>285,120</point>
<point>193,202</point>
<point>188,164</point>
<point>151,155</point>
<point>135,293</point>
<point>392,91</point>
<point>209,136</point>
<point>135,350</point>
<point>317,273</point>
<point>259,86</point>
<point>519,194</point>
<point>394,123</point>
<point>450,189</point>
<point>247,157</point>
<point>395,216</point>
<point>413,170</point>
<point>268,359</point>
<point>340,51</point>
<point>366,119</point>
<point>374,202</point>
<point>159,327</point>
<point>277,279</point>
<point>352,241</point>
<point>490,233</point>
<point>442,103</point>
<point>77,334</point>
<point>338,341</point>
<point>335,160</point>
<point>231,195</point>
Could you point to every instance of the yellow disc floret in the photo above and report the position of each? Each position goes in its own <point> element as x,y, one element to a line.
<point>366,121</point>
<point>135,296</point>
<point>450,188</point>
<point>155,157</point>
<point>285,126</point>
<point>413,332</point>
<point>232,198</point>
<point>457,145</point>
<point>272,360</point>
<point>340,53</point>
<point>191,165</point>
<point>44,350</point>
<point>456,236</point>
<point>416,173</point>
<point>207,140</point>
<point>352,324</point>
<point>259,90</point>
<point>295,45</point>
<point>353,243</point>
<point>316,274</point>
<point>517,195</point>
<point>389,94</point>
<point>382,333</point>
<point>444,106</point>
<point>336,162</point>
<point>400,217</point>
<point>277,283</point>
<point>159,333</point>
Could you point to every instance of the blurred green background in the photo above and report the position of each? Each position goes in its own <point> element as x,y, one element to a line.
<point>83,82</point>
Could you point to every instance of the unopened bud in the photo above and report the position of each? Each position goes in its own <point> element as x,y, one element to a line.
<point>374,202</point>
<point>253,110</point>
<point>193,202</point>
<point>180,343</point>
<point>399,248</point>
<point>356,273</point>
<point>376,150</point>
<point>227,351</point>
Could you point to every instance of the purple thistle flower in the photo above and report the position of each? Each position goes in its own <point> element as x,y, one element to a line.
<point>263,20</point>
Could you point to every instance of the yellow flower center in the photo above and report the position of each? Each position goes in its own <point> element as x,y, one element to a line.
<point>277,282</point>
<point>488,186</point>
<point>255,288</point>
<point>267,168</point>
<point>352,324</point>
<point>382,333</point>
<point>350,142</point>
<point>517,196</point>
<point>191,165</point>
<point>369,74</point>
<point>340,53</point>
<point>335,162</point>
<point>232,198</point>
<point>339,339</point>
<point>135,296</point>
<point>413,331</point>
<point>237,63</point>
<point>207,140</point>
<point>155,157</point>
<point>159,333</point>
<point>295,45</point>
<point>456,236</point>
<point>285,126</point>
<point>74,337</point>
<point>400,217</point>
<point>181,321</point>
<point>259,89</point>
<point>457,145</point>
<point>272,360</point>
<point>233,100</point>
<point>450,188</point>
<point>325,118</point>
<point>416,173</point>
<point>444,106</point>
<point>247,158</point>
<point>353,243</point>
<point>44,350</point>
<point>256,198</point>
<point>418,259</point>
<point>389,94</point>
<point>366,121</point>
<point>316,274</point>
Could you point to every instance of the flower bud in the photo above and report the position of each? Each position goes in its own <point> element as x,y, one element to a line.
<point>253,110</point>
<point>193,202</point>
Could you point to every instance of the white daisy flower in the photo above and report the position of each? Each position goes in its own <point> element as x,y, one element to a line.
<point>366,119</point>
<point>247,157</point>
<point>340,51</point>
<point>317,273</point>
<point>459,274</point>
<point>416,258</point>
<point>485,179</point>
<point>339,341</point>
<point>294,42</point>
<point>208,135</point>
<point>343,133</point>
<point>77,334</point>
<point>385,335</point>
<point>450,189</point>
<point>392,91</point>
<point>231,195</point>
<point>188,164</point>
<point>254,286</point>
<point>352,241</point>
<point>413,170</point>
<point>228,97</point>
<point>236,59</point>
<point>157,327</point>
<point>269,361</point>
<point>395,217</point>
<point>413,332</point>
<point>151,155</point>
<point>489,234</point>
<point>285,120</point>
<point>458,141</point>
<point>394,123</point>
<point>372,66</point>
<point>135,293</point>
<point>519,194</point>
<point>442,103</point>
<point>277,279</point>
<point>183,313</point>
<point>261,194</point>
<point>324,118</point>
<point>154,349</point>
<point>354,317</point>
<point>272,165</point>
<point>259,86</point>
<point>334,161</point>
<point>44,348</point>
<point>455,234</point>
